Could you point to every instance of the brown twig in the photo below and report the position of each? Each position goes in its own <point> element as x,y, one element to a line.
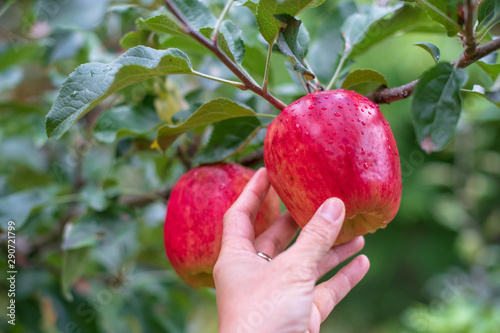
<point>388,95</point>
<point>469,38</point>
<point>214,48</point>
<point>481,52</point>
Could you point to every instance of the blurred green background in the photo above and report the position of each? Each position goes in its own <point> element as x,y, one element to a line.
<point>89,208</point>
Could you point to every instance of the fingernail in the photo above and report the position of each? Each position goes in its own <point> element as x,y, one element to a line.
<point>331,209</point>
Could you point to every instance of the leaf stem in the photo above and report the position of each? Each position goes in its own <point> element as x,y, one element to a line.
<point>265,115</point>
<point>268,65</point>
<point>65,199</point>
<point>221,80</point>
<point>215,33</point>
<point>207,43</point>
<point>316,81</point>
<point>484,31</point>
<point>337,71</point>
<point>443,15</point>
<point>304,84</point>
<point>247,141</point>
<point>388,95</point>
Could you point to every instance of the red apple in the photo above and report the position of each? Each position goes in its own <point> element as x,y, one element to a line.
<point>335,144</point>
<point>193,225</point>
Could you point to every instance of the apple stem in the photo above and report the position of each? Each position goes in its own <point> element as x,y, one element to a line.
<point>337,71</point>
<point>316,81</point>
<point>242,147</point>
<point>230,64</point>
<point>304,84</point>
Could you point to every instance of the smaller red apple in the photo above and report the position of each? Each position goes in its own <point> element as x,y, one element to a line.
<point>193,225</point>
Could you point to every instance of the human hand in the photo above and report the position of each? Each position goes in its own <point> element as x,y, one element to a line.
<point>255,295</point>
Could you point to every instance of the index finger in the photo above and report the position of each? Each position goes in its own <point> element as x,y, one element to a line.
<point>238,220</point>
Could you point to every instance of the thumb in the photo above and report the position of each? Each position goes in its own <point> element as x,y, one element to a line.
<point>318,236</point>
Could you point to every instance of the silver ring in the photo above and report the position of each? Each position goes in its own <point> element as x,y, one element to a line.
<point>265,256</point>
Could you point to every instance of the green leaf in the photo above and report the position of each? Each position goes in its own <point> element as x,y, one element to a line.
<point>94,197</point>
<point>91,83</point>
<point>228,136</point>
<point>294,7</point>
<point>161,24</point>
<point>133,39</point>
<point>446,7</point>
<point>359,76</point>
<point>356,26</point>
<point>232,35</point>
<point>488,12</point>
<point>18,54</point>
<point>250,4</point>
<point>491,96</point>
<point>267,23</point>
<point>124,121</point>
<point>431,48</point>
<point>494,94</point>
<point>81,234</point>
<point>290,46</point>
<point>405,18</point>
<point>266,20</point>
<point>18,206</point>
<point>197,14</point>
<point>493,71</point>
<point>211,112</point>
<point>436,105</point>
<point>73,265</point>
<point>327,47</point>
<point>229,40</point>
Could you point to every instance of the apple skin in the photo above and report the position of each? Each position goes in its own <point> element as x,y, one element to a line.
<point>193,224</point>
<point>335,143</point>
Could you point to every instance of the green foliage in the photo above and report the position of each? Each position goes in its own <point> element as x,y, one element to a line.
<point>432,49</point>
<point>213,111</point>
<point>360,76</point>
<point>125,122</point>
<point>289,43</point>
<point>91,83</point>
<point>436,105</point>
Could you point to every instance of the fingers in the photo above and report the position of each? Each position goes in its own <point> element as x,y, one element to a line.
<point>239,218</point>
<point>329,293</point>
<point>339,253</point>
<point>276,238</point>
<point>318,236</point>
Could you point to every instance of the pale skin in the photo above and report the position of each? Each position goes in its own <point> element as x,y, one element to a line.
<point>256,295</point>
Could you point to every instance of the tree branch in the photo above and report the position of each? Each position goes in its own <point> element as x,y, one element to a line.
<point>481,52</point>
<point>469,38</point>
<point>214,48</point>
<point>388,95</point>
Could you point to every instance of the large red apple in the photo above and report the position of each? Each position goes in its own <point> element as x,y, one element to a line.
<point>196,207</point>
<point>335,144</point>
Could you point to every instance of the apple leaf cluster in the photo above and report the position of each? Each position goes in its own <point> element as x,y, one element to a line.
<point>358,28</point>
